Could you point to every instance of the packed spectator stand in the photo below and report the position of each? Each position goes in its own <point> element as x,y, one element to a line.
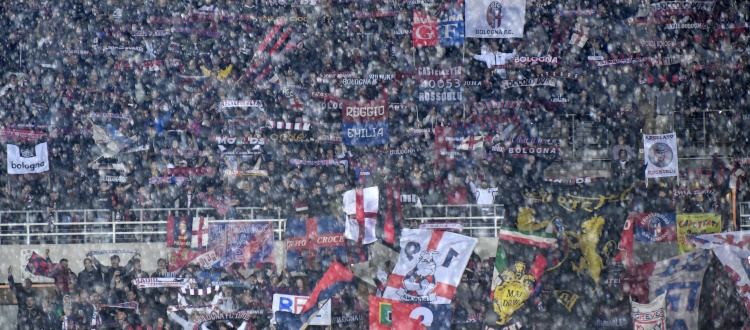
<point>252,113</point>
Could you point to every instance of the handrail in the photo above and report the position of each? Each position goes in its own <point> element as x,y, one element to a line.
<point>33,228</point>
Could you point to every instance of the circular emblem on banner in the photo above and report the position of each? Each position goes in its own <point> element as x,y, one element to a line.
<point>494,14</point>
<point>657,227</point>
<point>660,154</point>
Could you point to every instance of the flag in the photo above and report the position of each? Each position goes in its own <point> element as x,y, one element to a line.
<point>393,212</point>
<point>311,240</point>
<point>660,155</point>
<point>580,35</point>
<point>27,160</point>
<point>365,122</point>
<point>495,18</point>
<point>654,237</point>
<point>424,29</point>
<point>179,258</point>
<point>689,225</point>
<point>448,143</point>
<point>587,222</point>
<point>681,278</point>
<point>182,233</point>
<point>651,316</point>
<point>38,265</point>
<point>451,24</point>
<point>472,142</point>
<point>520,261</point>
<point>387,314</point>
<point>294,304</point>
<point>361,209</point>
<point>279,40</point>
<point>110,140</point>
<point>429,266</point>
<point>333,281</point>
<point>242,243</point>
<point>732,250</point>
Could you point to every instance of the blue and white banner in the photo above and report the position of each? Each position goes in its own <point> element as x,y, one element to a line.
<point>451,25</point>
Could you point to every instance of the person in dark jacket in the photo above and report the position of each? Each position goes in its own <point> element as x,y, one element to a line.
<point>89,275</point>
<point>22,292</point>
<point>108,272</point>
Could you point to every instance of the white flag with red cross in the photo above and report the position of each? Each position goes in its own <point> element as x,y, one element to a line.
<point>361,209</point>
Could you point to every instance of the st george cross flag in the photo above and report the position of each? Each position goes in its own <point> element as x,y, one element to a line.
<point>28,160</point>
<point>387,314</point>
<point>681,278</point>
<point>651,316</point>
<point>429,266</point>
<point>361,209</point>
<point>182,233</point>
<point>520,261</point>
<point>661,155</point>
<point>495,18</point>
<point>732,250</point>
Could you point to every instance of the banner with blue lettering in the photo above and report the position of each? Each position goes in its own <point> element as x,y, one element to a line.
<point>365,122</point>
<point>451,25</point>
<point>310,240</point>
<point>681,278</point>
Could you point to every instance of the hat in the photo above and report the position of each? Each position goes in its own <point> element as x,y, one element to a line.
<point>300,206</point>
<point>170,166</point>
<point>183,162</point>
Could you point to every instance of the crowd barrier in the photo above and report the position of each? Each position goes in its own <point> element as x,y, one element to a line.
<point>83,226</point>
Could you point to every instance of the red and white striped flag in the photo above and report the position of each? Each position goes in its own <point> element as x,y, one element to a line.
<point>289,126</point>
<point>361,208</point>
<point>580,35</point>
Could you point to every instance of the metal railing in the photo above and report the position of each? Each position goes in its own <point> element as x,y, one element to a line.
<point>476,220</point>
<point>85,226</point>
<point>744,215</point>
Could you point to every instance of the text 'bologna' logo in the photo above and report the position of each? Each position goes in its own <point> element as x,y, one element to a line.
<point>494,14</point>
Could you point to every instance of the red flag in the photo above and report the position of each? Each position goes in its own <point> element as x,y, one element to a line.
<point>425,30</point>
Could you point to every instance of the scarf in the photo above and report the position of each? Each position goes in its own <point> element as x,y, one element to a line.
<point>531,141</point>
<point>374,14</point>
<point>125,305</point>
<point>151,66</point>
<point>289,126</point>
<point>9,134</point>
<point>162,282</point>
<point>189,171</point>
<point>324,96</point>
<point>537,81</point>
<point>111,178</point>
<point>661,79</point>
<point>200,32</point>
<point>243,173</point>
<point>324,162</point>
<point>98,252</point>
<point>199,292</point>
<point>71,52</point>
<point>243,315</point>
<point>110,115</point>
<point>398,152</point>
<point>151,33</point>
<point>711,192</point>
<point>243,122</point>
<point>178,180</point>
<point>661,44</point>
<point>95,319</point>
<point>221,208</point>
<point>184,153</point>
<point>241,104</point>
<point>112,48</point>
<point>578,13</point>
<point>118,167</point>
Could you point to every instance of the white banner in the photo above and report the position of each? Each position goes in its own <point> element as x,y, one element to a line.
<point>661,155</point>
<point>367,199</point>
<point>651,316</point>
<point>495,18</point>
<point>429,266</point>
<point>28,160</point>
<point>294,304</point>
<point>732,250</point>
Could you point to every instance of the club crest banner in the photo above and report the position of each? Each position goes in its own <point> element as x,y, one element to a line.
<point>661,155</point>
<point>27,160</point>
<point>495,18</point>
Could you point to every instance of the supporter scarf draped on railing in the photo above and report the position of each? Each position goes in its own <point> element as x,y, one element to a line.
<point>162,282</point>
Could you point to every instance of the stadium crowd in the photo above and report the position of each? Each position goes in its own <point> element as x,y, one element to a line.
<point>158,78</point>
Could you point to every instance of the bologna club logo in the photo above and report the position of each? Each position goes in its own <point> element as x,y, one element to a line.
<point>494,14</point>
